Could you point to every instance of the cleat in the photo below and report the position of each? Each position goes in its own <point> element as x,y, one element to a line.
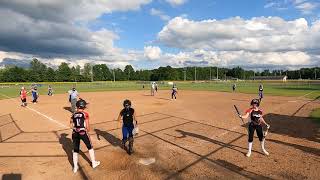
<point>75,169</point>
<point>248,154</point>
<point>265,152</point>
<point>95,164</point>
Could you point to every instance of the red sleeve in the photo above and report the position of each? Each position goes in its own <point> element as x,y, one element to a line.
<point>86,115</point>
<point>248,110</point>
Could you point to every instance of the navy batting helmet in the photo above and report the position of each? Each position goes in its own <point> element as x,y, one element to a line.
<point>81,104</point>
<point>126,103</point>
<point>255,101</point>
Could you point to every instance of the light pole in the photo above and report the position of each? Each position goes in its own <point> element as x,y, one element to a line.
<point>217,73</point>
<point>91,72</point>
<point>195,73</point>
<point>114,76</point>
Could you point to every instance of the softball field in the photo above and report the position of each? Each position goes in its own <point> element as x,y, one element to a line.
<point>199,136</point>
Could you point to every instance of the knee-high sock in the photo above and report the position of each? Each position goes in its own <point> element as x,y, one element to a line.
<point>75,159</point>
<point>262,145</point>
<point>91,154</point>
<point>249,147</point>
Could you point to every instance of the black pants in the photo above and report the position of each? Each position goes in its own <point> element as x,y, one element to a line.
<point>252,128</point>
<point>77,136</point>
<point>173,95</point>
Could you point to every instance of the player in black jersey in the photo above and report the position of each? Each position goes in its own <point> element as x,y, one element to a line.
<point>255,123</point>
<point>128,117</point>
<point>80,124</point>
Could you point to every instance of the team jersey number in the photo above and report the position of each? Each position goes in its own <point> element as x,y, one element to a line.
<point>78,122</point>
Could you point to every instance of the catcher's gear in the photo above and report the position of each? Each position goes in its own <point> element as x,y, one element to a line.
<point>81,104</point>
<point>255,101</point>
<point>127,103</point>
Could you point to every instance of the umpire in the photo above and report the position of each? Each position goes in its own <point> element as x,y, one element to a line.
<point>73,98</point>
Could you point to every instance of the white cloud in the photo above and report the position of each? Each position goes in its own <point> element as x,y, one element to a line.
<point>71,10</point>
<point>152,52</point>
<point>244,59</point>
<point>160,14</point>
<point>56,31</point>
<point>258,34</point>
<point>176,2</point>
<point>307,7</point>
<point>304,6</point>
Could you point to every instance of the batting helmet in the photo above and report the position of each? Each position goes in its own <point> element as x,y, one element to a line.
<point>81,104</point>
<point>126,103</point>
<point>255,101</point>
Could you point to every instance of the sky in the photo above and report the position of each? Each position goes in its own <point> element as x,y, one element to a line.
<point>147,34</point>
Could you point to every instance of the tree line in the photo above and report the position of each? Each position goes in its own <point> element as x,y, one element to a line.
<point>39,72</point>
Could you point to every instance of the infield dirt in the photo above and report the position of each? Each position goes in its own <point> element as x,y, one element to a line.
<point>196,137</point>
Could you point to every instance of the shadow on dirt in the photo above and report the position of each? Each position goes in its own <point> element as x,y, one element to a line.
<point>114,141</point>
<point>11,176</point>
<point>222,144</point>
<point>67,146</point>
<point>306,149</point>
<point>239,170</point>
<point>67,109</point>
<point>227,165</point>
<point>293,126</point>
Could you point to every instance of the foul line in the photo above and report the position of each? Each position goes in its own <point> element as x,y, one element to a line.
<point>39,113</point>
<point>306,94</point>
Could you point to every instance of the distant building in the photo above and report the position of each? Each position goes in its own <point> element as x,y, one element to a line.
<point>280,78</point>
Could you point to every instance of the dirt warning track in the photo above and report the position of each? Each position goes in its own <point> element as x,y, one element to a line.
<point>197,136</point>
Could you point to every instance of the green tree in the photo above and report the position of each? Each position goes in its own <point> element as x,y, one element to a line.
<point>50,75</point>
<point>14,74</point>
<point>128,71</point>
<point>37,71</point>
<point>87,71</point>
<point>64,73</point>
<point>101,72</point>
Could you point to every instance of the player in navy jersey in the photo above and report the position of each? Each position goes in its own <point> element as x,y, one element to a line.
<point>260,94</point>
<point>128,117</point>
<point>255,124</point>
<point>80,124</point>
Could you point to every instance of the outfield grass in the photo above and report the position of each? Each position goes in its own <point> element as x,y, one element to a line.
<point>292,88</point>
<point>315,114</point>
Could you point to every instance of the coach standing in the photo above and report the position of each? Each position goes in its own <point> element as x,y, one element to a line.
<point>73,98</point>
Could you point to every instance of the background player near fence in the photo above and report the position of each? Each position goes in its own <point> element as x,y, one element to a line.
<point>80,124</point>
<point>255,124</point>
<point>50,91</point>
<point>128,116</point>
<point>234,87</point>
<point>153,88</point>
<point>35,94</point>
<point>174,92</point>
<point>260,92</point>
<point>73,98</point>
<point>23,97</point>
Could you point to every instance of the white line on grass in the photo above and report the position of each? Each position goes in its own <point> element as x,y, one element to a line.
<point>39,113</point>
<point>306,94</point>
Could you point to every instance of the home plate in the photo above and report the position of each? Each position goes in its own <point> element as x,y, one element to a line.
<point>147,161</point>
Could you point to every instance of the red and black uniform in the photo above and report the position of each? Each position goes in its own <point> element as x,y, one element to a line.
<point>254,124</point>
<point>23,96</point>
<point>80,131</point>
